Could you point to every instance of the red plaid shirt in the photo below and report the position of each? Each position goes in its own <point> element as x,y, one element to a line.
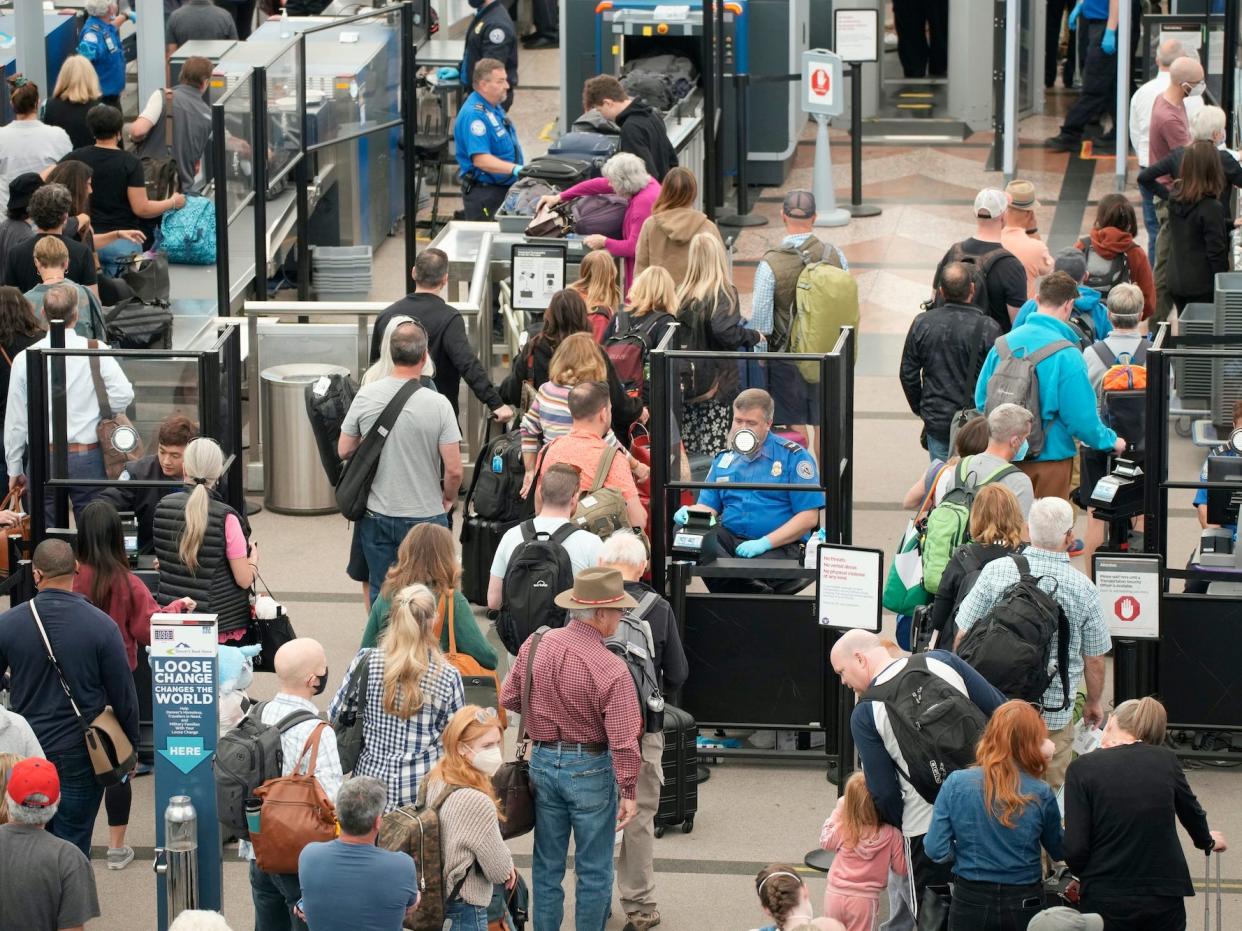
<point>582,693</point>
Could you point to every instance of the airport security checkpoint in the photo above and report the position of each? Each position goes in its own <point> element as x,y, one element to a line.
<point>787,446</point>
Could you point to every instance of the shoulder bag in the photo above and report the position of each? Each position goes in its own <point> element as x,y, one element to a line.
<point>119,440</point>
<point>350,724</point>
<point>482,685</point>
<point>111,753</point>
<point>296,811</point>
<point>270,633</point>
<point>514,789</point>
<point>602,510</point>
<point>358,471</point>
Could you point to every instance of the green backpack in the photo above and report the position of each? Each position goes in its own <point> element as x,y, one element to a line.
<point>948,524</point>
<point>826,301</point>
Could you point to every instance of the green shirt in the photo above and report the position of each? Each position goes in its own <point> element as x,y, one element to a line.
<point>470,639</point>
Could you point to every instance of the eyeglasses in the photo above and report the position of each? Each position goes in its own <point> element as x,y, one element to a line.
<point>483,715</point>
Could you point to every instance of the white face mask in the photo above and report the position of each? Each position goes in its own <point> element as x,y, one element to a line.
<point>1195,90</point>
<point>488,760</point>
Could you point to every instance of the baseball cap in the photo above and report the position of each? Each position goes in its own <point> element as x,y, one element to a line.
<point>799,205</point>
<point>33,776</point>
<point>991,203</point>
<point>21,188</point>
<point>1072,261</point>
<point>1065,919</point>
<point>1022,194</point>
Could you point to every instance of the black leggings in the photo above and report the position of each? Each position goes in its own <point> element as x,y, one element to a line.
<point>117,800</point>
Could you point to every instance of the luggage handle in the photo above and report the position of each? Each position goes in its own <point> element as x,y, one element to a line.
<point>1207,888</point>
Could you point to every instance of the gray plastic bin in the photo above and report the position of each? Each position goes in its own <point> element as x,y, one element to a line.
<point>293,478</point>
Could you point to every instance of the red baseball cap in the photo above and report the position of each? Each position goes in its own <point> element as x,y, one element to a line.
<point>33,776</point>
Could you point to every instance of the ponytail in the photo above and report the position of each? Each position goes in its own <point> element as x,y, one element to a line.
<point>203,465</point>
<point>195,527</point>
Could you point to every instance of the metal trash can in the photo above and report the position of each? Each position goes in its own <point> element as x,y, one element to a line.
<point>293,478</point>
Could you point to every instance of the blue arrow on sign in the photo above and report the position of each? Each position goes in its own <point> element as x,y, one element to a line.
<point>185,752</point>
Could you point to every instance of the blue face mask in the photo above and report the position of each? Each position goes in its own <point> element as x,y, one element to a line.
<point>1022,451</point>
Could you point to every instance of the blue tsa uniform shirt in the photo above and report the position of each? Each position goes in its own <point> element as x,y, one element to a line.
<point>491,35</point>
<point>100,44</point>
<point>1201,496</point>
<point>483,128</point>
<point>749,515</point>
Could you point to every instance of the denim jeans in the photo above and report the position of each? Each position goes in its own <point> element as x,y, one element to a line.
<point>80,796</point>
<point>274,896</point>
<point>1151,222</point>
<point>462,916</point>
<point>574,791</point>
<point>937,449</point>
<point>381,535</point>
<point>979,906</point>
<point>112,257</point>
<point>81,465</point>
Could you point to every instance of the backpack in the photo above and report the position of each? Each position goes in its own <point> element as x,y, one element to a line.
<point>350,724</point>
<point>1125,373</point>
<point>827,300</point>
<point>1104,274</point>
<point>496,485</point>
<point>1084,325</point>
<point>601,510</point>
<point>698,376</point>
<point>415,830</point>
<point>629,349</point>
<point>188,235</point>
<point>936,725</point>
<point>160,177</point>
<point>133,324</point>
<point>353,486</point>
<point>791,260</point>
<point>523,197</point>
<point>327,402</point>
<point>600,319</point>
<point>980,266</point>
<point>1123,395</point>
<point>601,214</point>
<point>296,812</point>
<point>948,525</point>
<point>246,757</point>
<point>589,145</point>
<point>635,645</point>
<point>1015,381</point>
<point>538,571</point>
<point>1012,646</point>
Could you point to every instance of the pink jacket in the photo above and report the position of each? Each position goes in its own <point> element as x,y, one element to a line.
<point>862,870</point>
<point>635,215</point>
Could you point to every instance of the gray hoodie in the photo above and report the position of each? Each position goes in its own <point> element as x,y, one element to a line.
<point>16,737</point>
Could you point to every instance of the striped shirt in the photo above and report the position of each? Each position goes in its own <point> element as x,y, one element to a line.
<point>548,419</point>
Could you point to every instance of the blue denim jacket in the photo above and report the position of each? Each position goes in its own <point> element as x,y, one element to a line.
<point>981,848</point>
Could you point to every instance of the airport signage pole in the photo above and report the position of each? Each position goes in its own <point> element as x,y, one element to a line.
<point>822,98</point>
<point>1121,121</point>
<point>856,35</point>
<point>1010,151</point>
<point>184,676</point>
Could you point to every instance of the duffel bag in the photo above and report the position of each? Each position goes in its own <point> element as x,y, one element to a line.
<point>133,324</point>
<point>188,235</point>
<point>602,214</point>
<point>560,171</point>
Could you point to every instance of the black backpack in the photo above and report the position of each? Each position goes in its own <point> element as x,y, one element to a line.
<point>327,402</point>
<point>979,266</point>
<point>1012,646</point>
<point>1104,274</point>
<point>936,725</point>
<point>353,485</point>
<point>538,571</point>
<point>496,485</point>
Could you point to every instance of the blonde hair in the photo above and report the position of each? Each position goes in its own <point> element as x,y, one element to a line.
<point>577,359</point>
<point>77,81</point>
<point>653,290</point>
<point>203,465</point>
<point>51,252</point>
<point>598,282</point>
<point>7,762</point>
<point>454,769</point>
<point>707,273</point>
<point>410,649</point>
<point>859,818</point>
<point>1143,719</point>
<point>996,517</point>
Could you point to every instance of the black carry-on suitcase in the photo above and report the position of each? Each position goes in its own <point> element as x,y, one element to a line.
<point>479,540</point>
<point>679,798</point>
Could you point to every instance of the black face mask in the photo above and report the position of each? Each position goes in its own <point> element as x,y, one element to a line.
<point>322,683</point>
<point>475,4</point>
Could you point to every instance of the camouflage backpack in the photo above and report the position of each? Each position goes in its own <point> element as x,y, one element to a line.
<point>415,830</point>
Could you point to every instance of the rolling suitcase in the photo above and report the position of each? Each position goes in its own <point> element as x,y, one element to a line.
<point>1207,898</point>
<point>679,797</point>
<point>479,540</point>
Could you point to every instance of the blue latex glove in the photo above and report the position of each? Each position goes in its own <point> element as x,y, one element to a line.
<point>1108,45</point>
<point>517,170</point>
<point>682,517</point>
<point>447,74</point>
<point>749,549</point>
<point>1074,14</point>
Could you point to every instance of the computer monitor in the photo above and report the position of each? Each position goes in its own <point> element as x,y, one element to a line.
<point>1222,504</point>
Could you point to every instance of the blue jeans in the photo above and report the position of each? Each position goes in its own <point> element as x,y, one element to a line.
<point>937,449</point>
<point>578,791</point>
<point>1151,222</point>
<point>80,796</point>
<point>274,896</point>
<point>381,535</point>
<point>81,465</point>
<point>112,257</point>
<point>462,916</point>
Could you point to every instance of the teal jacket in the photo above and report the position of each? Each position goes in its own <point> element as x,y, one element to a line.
<point>1089,304</point>
<point>470,639</point>
<point>1065,393</point>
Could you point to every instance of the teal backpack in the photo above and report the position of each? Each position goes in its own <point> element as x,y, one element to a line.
<point>188,235</point>
<point>948,524</point>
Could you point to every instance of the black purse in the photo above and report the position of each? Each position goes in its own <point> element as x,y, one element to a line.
<point>350,724</point>
<point>934,908</point>
<point>270,634</point>
<point>514,790</point>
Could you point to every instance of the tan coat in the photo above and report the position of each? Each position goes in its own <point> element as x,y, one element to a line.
<point>665,240</point>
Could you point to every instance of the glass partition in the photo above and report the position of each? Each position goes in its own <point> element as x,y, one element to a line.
<point>284,122</point>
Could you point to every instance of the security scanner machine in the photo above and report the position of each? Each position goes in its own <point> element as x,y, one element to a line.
<point>211,49</point>
<point>61,34</point>
<point>760,38</point>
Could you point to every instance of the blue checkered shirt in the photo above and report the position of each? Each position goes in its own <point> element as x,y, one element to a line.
<point>764,291</point>
<point>401,751</point>
<point>1078,597</point>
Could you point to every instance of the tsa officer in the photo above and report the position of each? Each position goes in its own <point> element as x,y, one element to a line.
<point>489,155</point>
<point>760,523</point>
<point>491,35</point>
<point>100,44</point>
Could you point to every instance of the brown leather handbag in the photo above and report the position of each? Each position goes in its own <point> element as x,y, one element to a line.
<point>19,530</point>
<point>514,790</point>
<point>296,811</point>
<point>119,439</point>
<point>482,685</point>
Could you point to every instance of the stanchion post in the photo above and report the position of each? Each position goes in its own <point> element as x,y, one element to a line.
<point>259,117</point>
<point>743,217</point>
<point>409,128</point>
<point>1122,110</point>
<point>60,429</point>
<point>996,158</point>
<point>1125,671</point>
<point>857,208</point>
<point>661,446</point>
<point>302,175</point>
<point>711,158</point>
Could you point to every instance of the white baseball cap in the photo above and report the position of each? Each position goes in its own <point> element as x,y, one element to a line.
<point>991,203</point>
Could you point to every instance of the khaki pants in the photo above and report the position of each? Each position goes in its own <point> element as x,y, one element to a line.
<point>1050,478</point>
<point>1164,303</point>
<point>636,866</point>
<point>1063,741</point>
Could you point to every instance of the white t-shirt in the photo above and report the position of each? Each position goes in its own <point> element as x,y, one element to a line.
<point>582,546</point>
<point>29,145</point>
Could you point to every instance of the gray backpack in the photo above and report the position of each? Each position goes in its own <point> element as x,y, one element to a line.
<point>634,643</point>
<point>1015,381</point>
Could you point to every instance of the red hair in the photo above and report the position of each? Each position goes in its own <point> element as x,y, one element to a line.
<point>1010,745</point>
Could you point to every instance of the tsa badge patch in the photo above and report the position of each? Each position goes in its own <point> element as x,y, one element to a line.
<point>478,127</point>
<point>805,469</point>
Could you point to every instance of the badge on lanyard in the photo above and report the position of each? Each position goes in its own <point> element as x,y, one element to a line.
<point>776,469</point>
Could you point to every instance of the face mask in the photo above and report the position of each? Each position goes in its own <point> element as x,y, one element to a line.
<point>322,683</point>
<point>487,761</point>
<point>1195,90</point>
<point>745,443</point>
<point>1022,451</point>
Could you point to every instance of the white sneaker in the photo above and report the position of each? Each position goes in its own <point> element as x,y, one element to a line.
<point>120,857</point>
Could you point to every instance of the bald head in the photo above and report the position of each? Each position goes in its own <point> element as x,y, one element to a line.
<point>1170,50</point>
<point>299,665</point>
<point>54,565</point>
<point>858,657</point>
<point>1185,71</point>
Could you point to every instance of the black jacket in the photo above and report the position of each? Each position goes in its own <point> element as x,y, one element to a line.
<point>955,584</point>
<point>447,345</point>
<point>1120,834</point>
<point>725,331</point>
<point>940,363</point>
<point>643,134</point>
<point>88,646</point>
<point>142,500</point>
<point>1198,246</point>
<point>670,658</point>
<point>1171,166</point>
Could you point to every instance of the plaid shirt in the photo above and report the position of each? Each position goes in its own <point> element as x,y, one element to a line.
<point>1077,596</point>
<point>583,693</point>
<point>401,751</point>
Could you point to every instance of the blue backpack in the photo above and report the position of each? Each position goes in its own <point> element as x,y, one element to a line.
<point>188,235</point>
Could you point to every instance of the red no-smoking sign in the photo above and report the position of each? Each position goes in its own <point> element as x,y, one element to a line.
<point>1127,608</point>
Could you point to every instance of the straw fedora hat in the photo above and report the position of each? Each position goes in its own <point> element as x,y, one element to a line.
<point>596,588</point>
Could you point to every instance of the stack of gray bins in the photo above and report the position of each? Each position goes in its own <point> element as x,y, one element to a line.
<point>341,273</point>
<point>1227,373</point>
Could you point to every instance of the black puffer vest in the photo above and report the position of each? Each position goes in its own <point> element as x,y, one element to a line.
<point>212,585</point>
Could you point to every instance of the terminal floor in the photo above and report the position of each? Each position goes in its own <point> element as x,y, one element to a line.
<point>755,813</point>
